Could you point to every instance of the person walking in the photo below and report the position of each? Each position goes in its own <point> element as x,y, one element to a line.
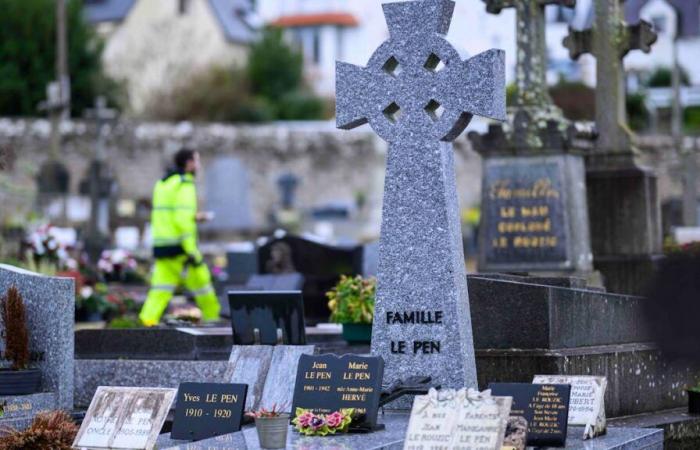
<point>178,261</point>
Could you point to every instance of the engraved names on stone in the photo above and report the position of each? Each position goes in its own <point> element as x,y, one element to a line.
<point>544,406</point>
<point>206,410</point>
<point>124,418</point>
<point>587,405</point>
<point>457,420</point>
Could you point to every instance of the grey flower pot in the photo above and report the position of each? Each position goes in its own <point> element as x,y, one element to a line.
<point>272,431</point>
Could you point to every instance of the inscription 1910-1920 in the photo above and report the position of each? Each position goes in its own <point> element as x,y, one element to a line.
<point>418,346</point>
<point>524,213</point>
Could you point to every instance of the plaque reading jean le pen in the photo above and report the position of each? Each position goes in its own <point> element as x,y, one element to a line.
<point>544,406</point>
<point>205,410</point>
<point>327,383</point>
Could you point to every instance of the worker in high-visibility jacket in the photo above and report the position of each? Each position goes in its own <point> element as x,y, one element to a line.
<point>178,261</point>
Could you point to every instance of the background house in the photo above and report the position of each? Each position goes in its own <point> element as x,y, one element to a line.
<point>153,44</point>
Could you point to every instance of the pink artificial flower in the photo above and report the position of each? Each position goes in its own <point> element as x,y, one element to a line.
<point>305,419</point>
<point>334,420</point>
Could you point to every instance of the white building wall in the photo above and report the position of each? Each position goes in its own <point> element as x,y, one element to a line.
<point>156,47</point>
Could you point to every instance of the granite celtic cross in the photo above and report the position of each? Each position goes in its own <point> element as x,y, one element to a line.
<point>419,95</point>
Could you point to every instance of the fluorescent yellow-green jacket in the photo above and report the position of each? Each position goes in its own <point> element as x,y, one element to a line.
<point>173,220</point>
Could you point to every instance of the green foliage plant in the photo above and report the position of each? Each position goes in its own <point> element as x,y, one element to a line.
<point>352,300</point>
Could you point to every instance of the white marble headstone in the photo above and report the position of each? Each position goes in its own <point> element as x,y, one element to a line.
<point>464,420</point>
<point>587,404</point>
<point>124,418</point>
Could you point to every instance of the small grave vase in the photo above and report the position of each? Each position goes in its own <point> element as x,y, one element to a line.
<point>693,401</point>
<point>357,333</point>
<point>19,382</point>
<point>272,431</point>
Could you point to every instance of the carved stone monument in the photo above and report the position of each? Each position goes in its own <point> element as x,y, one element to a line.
<point>622,193</point>
<point>419,95</point>
<point>534,215</point>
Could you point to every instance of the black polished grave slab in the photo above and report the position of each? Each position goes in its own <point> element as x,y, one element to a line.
<point>544,406</point>
<point>206,410</point>
<point>327,383</point>
<point>268,312</point>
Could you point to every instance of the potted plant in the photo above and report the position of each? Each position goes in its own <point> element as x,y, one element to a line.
<point>694,400</point>
<point>18,379</point>
<point>272,426</point>
<point>351,303</point>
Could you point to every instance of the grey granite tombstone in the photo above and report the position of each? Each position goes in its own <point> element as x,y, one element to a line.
<point>623,200</point>
<point>249,365</point>
<point>418,95</point>
<point>228,195</point>
<point>534,212</point>
<point>279,384</point>
<point>50,306</point>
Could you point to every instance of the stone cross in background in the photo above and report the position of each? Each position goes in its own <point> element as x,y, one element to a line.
<point>418,94</point>
<point>549,233</point>
<point>623,200</point>
<point>609,41</point>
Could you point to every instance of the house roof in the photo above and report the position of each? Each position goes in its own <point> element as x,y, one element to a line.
<point>687,10</point>
<point>307,20</point>
<point>97,11</point>
<point>237,19</point>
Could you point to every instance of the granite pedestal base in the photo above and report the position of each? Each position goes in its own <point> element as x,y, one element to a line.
<point>393,436</point>
<point>19,411</point>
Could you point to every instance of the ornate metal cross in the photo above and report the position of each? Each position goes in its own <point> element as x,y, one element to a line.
<point>609,41</point>
<point>418,94</point>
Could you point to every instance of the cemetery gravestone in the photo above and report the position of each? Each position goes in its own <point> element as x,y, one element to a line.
<point>327,383</point>
<point>545,407</point>
<point>126,418</point>
<point>206,410</point>
<point>464,420</point>
<point>418,95</point>
<point>228,195</point>
<point>587,404</point>
<point>622,192</point>
<point>50,307</point>
<point>533,194</point>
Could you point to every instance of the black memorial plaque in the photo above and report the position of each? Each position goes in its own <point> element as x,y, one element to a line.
<point>206,410</point>
<point>544,406</point>
<point>327,383</point>
<point>524,209</point>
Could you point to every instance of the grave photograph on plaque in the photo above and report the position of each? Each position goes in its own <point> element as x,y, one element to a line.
<point>525,221</point>
<point>206,410</point>
<point>124,417</point>
<point>463,419</point>
<point>545,407</point>
<point>328,383</point>
<point>267,311</point>
<point>587,405</point>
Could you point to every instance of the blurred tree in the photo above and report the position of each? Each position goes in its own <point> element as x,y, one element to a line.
<point>27,57</point>
<point>637,112</point>
<point>661,77</point>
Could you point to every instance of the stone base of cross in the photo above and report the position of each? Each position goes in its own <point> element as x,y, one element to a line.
<point>419,95</point>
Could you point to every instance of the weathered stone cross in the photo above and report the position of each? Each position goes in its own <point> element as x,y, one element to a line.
<point>418,94</point>
<point>609,41</point>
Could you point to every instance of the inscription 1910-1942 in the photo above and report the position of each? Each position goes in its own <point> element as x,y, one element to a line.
<point>408,318</point>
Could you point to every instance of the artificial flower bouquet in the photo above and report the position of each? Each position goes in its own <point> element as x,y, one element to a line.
<point>310,424</point>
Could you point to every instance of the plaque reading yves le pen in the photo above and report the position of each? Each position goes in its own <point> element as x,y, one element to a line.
<point>524,213</point>
<point>327,383</point>
<point>587,405</point>
<point>124,418</point>
<point>206,410</point>
<point>457,420</point>
<point>544,406</point>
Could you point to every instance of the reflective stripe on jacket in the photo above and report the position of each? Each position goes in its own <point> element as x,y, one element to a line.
<point>173,219</point>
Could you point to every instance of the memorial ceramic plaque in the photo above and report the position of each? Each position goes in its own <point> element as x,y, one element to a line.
<point>587,405</point>
<point>206,410</point>
<point>457,420</point>
<point>544,406</point>
<point>525,221</point>
<point>124,418</point>
<point>516,434</point>
<point>418,94</point>
<point>327,383</point>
